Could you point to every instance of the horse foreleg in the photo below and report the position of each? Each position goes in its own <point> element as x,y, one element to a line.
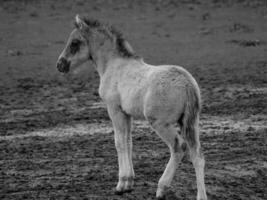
<point>123,142</point>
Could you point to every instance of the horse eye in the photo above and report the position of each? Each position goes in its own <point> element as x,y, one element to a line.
<point>74,46</point>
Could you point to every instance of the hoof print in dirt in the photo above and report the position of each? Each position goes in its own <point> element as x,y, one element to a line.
<point>34,14</point>
<point>238,27</point>
<point>206,16</point>
<point>246,43</point>
<point>14,53</point>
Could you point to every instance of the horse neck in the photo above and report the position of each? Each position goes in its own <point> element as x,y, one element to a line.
<point>101,61</point>
<point>105,58</point>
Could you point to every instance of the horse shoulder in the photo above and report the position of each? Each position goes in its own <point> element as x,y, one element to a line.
<point>108,88</point>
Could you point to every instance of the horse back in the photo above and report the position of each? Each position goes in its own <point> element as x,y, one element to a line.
<point>141,89</point>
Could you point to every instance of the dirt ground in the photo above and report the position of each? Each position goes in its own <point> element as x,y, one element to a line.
<point>56,140</point>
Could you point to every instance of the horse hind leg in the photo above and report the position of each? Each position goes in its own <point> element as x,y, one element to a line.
<point>196,156</point>
<point>175,142</point>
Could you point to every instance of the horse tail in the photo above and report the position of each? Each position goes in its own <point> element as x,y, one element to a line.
<point>190,118</point>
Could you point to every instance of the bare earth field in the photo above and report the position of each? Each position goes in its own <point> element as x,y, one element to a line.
<point>56,139</point>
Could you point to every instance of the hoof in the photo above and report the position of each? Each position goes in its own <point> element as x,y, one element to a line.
<point>121,192</point>
<point>161,198</point>
<point>118,192</point>
<point>128,190</point>
<point>202,197</point>
<point>125,185</point>
<point>166,194</point>
<point>160,195</point>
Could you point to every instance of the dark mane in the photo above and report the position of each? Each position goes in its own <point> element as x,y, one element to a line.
<point>122,46</point>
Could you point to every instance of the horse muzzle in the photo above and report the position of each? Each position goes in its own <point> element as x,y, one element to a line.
<point>63,65</point>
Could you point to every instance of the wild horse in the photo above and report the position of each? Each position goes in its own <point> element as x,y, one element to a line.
<point>166,96</point>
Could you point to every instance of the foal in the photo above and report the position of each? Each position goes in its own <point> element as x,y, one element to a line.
<point>166,96</point>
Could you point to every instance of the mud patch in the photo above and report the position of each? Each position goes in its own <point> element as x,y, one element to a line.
<point>215,125</point>
<point>65,131</point>
<point>71,162</point>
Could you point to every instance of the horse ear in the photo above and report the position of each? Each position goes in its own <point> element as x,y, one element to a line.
<point>79,23</point>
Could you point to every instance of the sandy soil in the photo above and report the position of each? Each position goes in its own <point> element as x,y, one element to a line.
<point>56,140</point>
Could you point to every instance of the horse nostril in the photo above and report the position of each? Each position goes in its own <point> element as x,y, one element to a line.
<point>63,65</point>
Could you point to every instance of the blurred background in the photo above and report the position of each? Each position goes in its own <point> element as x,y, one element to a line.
<point>45,117</point>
